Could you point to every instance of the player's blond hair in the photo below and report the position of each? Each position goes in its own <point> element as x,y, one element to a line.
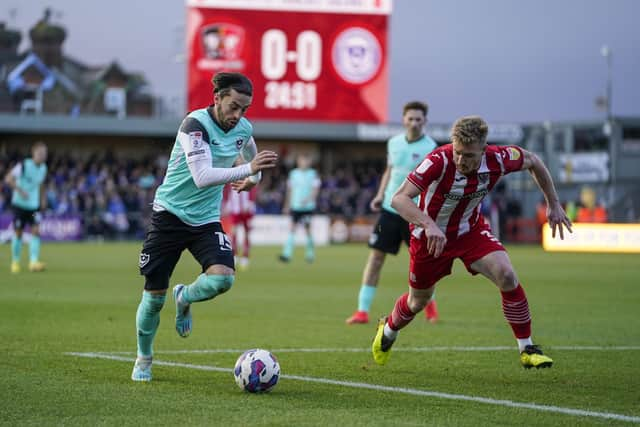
<point>469,130</point>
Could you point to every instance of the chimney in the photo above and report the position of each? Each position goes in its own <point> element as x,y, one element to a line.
<point>47,39</point>
<point>9,42</point>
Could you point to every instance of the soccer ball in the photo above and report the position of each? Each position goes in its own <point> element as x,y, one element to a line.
<point>257,371</point>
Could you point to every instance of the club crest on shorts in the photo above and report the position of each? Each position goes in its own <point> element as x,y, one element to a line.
<point>144,259</point>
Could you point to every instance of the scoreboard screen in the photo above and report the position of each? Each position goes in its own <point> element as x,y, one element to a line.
<point>312,60</point>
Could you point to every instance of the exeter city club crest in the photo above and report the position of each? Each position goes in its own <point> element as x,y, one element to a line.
<point>223,41</point>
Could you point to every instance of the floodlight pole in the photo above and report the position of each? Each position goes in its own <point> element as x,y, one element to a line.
<point>608,127</point>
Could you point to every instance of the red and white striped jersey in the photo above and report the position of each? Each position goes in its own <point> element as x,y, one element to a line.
<point>240,203</point>
<point>452,199</point>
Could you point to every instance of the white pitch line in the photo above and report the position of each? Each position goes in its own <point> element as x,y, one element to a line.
<point>402,390</point>
<point>396,349</point>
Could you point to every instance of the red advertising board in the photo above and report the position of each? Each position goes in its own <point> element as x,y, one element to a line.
<point>312,60</point>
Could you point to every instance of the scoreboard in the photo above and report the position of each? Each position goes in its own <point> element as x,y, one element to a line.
<point>312,60</point>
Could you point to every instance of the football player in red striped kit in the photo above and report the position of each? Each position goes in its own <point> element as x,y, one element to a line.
<point>447,224</point>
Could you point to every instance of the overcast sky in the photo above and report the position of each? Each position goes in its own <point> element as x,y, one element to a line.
<point>508,60</point>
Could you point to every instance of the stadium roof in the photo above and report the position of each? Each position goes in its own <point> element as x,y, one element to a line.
<point>314,131</point>
<point>111,126</point>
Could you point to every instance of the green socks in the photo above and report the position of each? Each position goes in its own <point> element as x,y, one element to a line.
<point>309,252</point>
<point>287,250</point>
<point>34,249</point>
<point>147,321</point>
<point>16,248</point>
<point>365,298</point>
<point>206,287</point>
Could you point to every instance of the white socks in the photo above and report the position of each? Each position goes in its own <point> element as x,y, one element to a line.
<point>390,333</point>
<point>523,342</point>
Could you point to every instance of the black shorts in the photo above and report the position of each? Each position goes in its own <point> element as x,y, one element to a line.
<point>167,237</point>
<point>24,217</point>
<point>303,217</point>
<point>389,232</point>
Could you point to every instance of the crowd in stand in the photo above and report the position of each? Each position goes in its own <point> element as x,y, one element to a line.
<point>113,195</point>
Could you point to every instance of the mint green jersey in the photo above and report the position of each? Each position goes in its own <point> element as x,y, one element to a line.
<point>29,178</point>
<point>301,184</point>
<point>199,137</point>
<point>403,157</point>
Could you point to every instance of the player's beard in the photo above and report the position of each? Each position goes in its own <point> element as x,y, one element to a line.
<point>226,126</point>
<point>223,124</point>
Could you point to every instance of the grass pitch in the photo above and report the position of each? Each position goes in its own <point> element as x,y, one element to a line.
<point>87,299</point>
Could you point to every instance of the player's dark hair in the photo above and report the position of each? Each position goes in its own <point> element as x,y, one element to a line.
<point>415,105</point>
<point>38,144</point>
<point>469,130</point>
<point>224,82</point>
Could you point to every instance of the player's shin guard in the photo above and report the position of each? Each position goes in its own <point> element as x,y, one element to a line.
<point>516,311</point>
<point>16,248</point>
<point>206,287</point>
<point>147,321</point>
<point>34,249</point>
<point>401,315</point>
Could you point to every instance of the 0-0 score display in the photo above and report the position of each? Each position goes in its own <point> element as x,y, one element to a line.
<point>274,62</point>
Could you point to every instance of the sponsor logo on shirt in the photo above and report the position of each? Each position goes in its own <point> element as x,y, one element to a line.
<point>514,154</point>
<point>474,195</point>
<point>195,153</point>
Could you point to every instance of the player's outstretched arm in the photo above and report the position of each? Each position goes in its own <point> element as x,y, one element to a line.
<point>403,202</point>
<point>555,213</point>
<point>205,175</point>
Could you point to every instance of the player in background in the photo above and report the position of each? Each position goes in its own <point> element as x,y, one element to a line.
<point>186,210</point>
<point>451,183</point>
<point>404,152</point>
<point>303,185</point>
<point>239,209</point>
<point>26,179</point>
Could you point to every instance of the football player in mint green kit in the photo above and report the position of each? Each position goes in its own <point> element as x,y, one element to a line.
<point>186,210</point>
<point>27,181</point>
<point>303,185</point>
<point>404,153</point>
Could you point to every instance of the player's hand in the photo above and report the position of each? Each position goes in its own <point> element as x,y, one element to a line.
<point>558,219</point>
<point>376,204</point>
<point>243,185</point>
<point>436,239</point>
<point>263,160</point>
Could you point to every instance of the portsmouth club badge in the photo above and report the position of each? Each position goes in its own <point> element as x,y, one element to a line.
<point>144,259</point>
<point>356,55</point>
